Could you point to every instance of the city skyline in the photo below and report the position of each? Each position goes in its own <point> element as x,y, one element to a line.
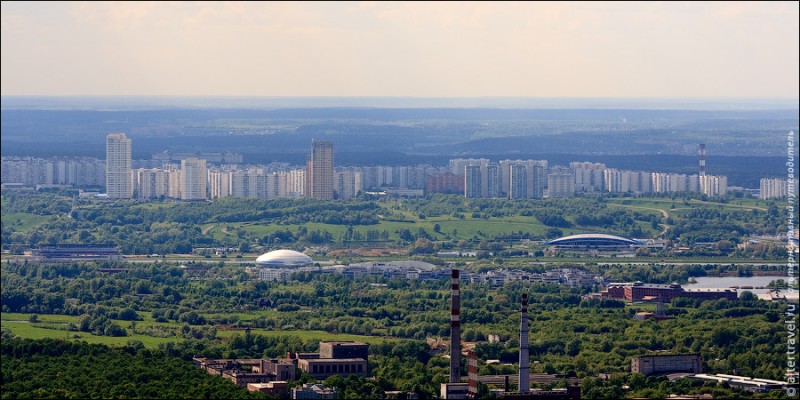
<point>407,49</point>
<point>476,178</point>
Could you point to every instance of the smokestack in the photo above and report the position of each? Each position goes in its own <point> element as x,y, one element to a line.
<point>472,375</point>
<point>524,358</point>
<point>702,159</point>
<point>455,328</point>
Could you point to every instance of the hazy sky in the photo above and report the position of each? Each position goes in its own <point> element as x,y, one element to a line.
<point>426,49</point>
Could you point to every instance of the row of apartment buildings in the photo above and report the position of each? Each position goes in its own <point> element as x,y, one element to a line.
<point>194,178</point>
<point>533,178</point>
<point>776,188</point>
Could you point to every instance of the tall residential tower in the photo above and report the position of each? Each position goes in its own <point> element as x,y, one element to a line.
<point>319,171</point>
<point>119,179</point>
<point>194,177</point>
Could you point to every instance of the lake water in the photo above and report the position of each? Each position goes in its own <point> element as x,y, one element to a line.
<point>713,282</point>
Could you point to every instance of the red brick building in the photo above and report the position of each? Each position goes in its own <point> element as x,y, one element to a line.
<point>639,291</point>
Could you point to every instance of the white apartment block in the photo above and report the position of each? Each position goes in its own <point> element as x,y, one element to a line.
<point>75,171</point>
<point>774,188</point>
<point>711,185</point>
<point>560,184</point>
<point>194,179</point>
<point>151,183</point>
<point>347,183</point>
<point>458,165</point>
<point>219,183</point>
<point>536,178</point>
<point>589,177</point>
<point>174,177</point>
<point>119,176</point>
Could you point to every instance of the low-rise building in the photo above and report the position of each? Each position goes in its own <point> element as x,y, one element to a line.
<point>335,358</point>
<point>245,371</point>
<point>278,389</point>
<point>651,364</point>
<point>322,368</point>
<point>317,391</point>
<point>639,291</point>
<point>744,382</point>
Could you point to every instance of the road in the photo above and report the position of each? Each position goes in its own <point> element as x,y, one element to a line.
<point>664,214</point>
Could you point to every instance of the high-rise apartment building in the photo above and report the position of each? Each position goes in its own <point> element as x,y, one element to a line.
<point>534,181</point>
<point>319,170</point>
<point>589,177</point>
<point>473,187</point>
<point>119,178</point>
<point>518,182</point>
<point>194,179</point>
<point>773,188</point>
<point>348,183</point>
<point>561,184</point>
<point>711,185</point>
<point>151,183</point>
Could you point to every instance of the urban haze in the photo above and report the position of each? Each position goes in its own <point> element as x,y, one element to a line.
<point>400,200</point>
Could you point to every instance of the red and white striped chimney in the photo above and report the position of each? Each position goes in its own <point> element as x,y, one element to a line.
<point>524,352</point>
<point>455,328</point>
<point>472,375</point>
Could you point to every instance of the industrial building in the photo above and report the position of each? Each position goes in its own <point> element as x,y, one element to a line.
<point>455,389</point>
<point>335,358</point>
<point>321,368</point>
<point>279,389</point>
<point>246,371</point>
<point>313,391</point>
<point>743,382</point>
<point>69,252</point>
<point>663,363</point>
<point>638,291</point>
<point>343,350</point>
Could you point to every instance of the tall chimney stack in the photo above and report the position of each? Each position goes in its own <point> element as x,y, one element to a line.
<point>455,328</point>
<point>524,358</point>
<point>702,159</point>
<point>472,375</point>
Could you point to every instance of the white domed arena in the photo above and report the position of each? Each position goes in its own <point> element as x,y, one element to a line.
<point>283,259</point>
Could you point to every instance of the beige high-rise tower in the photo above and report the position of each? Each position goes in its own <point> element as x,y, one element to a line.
<point>119,179</point>
<point>319,171</point>
<point>194,179</point>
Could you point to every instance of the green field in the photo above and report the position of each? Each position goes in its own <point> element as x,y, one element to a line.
<point>24,222</point>
<point>54,326</point>
<point>667,204</point>
<point>467,228</point>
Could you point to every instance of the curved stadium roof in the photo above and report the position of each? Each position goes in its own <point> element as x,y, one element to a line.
<point>592,239</point>
<point>283,258</point>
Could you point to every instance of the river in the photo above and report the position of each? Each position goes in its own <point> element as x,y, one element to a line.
<point>714,282</point>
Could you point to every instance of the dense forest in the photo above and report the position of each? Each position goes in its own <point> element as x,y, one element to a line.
<point>51,368</point>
